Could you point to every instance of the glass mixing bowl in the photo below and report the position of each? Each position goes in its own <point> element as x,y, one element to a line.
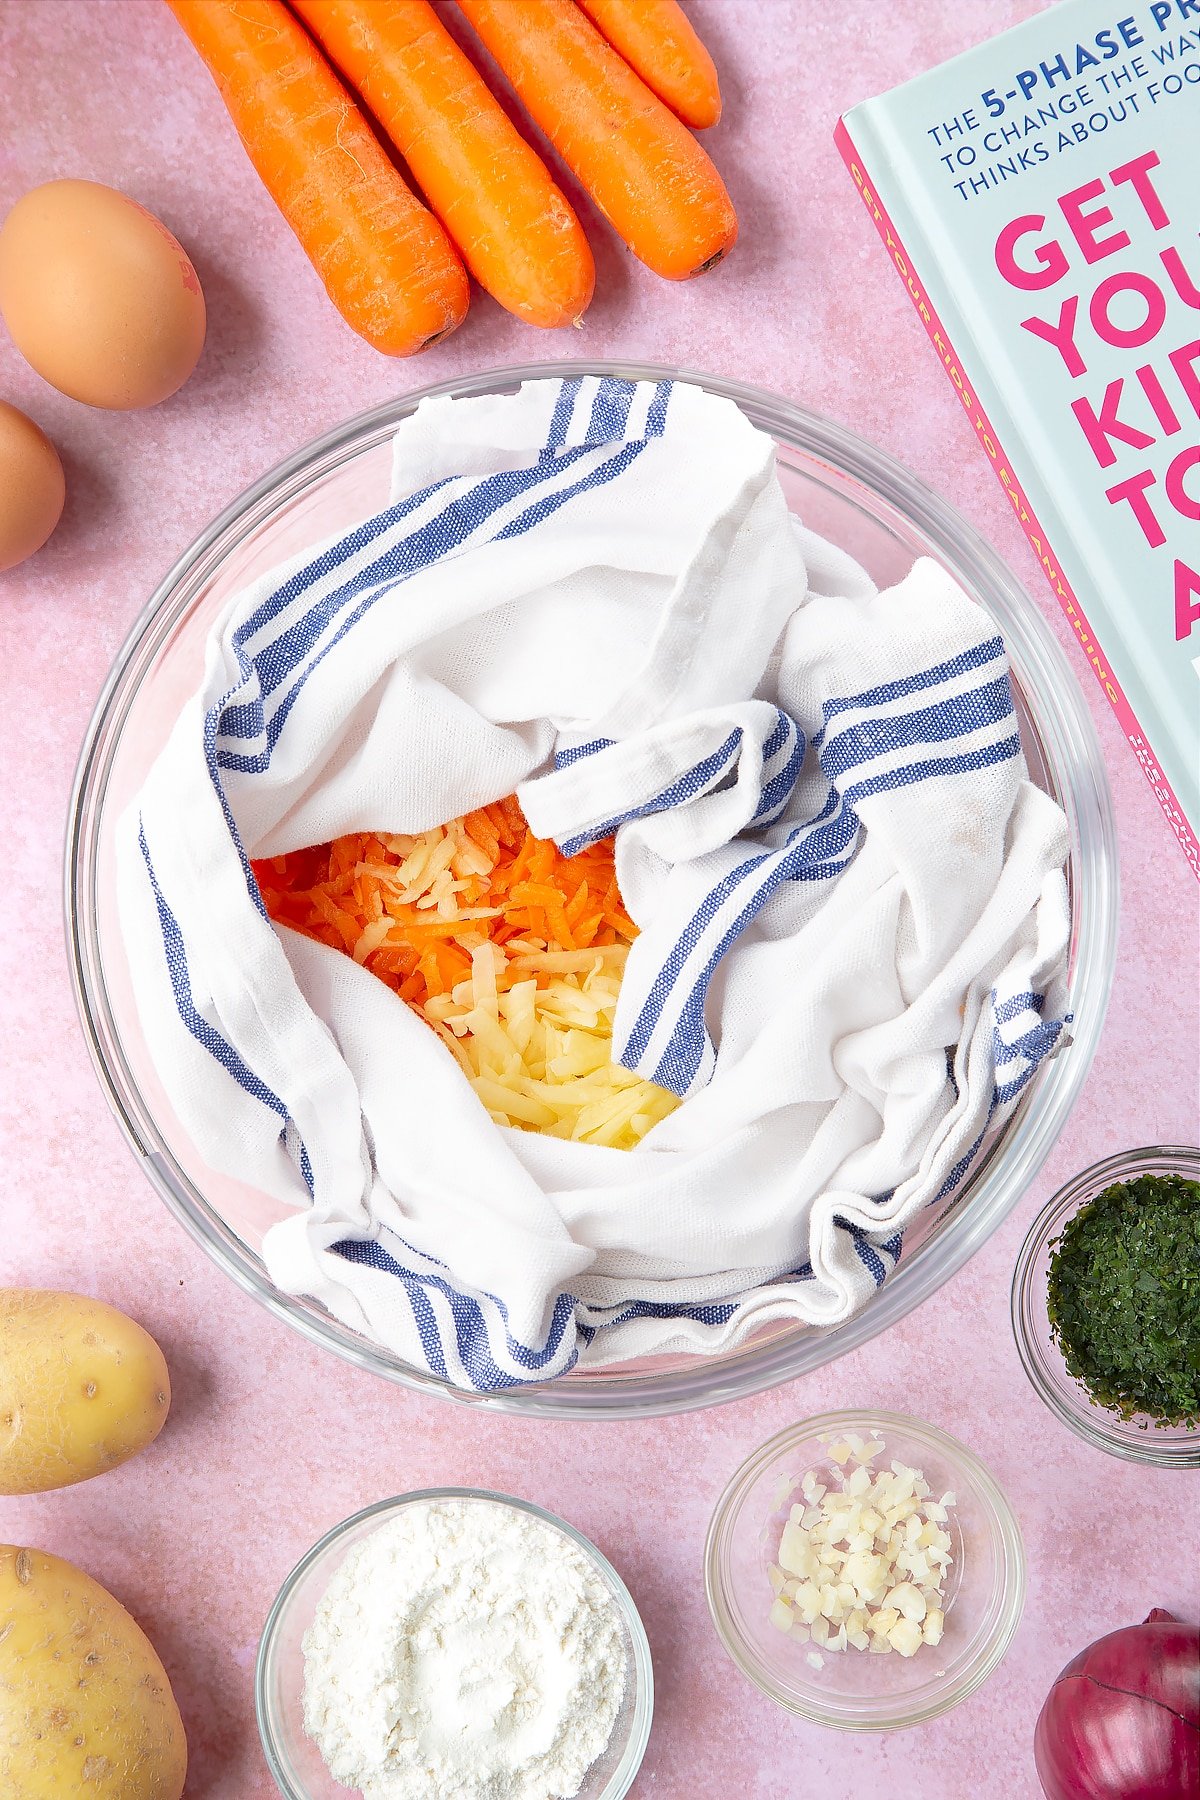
<point>843,488</point>
<point>295,1761</point>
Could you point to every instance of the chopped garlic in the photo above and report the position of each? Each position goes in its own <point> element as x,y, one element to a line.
<point>783,1488</point>
<point>862,1565</point>
<point>866,1453</point>
<point>908,1600</point>
<point>905,1637</point>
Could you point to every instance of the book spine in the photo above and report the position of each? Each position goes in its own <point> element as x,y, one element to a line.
<point>1014,489</point>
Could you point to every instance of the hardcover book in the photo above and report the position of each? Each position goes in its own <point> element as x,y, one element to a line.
<point>1040,199</point>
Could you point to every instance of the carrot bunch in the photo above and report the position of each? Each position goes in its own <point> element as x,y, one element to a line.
<point>612,84</point>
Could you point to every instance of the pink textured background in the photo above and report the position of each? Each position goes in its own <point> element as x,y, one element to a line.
<point>270,1442</point>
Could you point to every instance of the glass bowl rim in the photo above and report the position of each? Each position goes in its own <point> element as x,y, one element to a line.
<point>1063,723</point>
<point>1097,1426</point>
<point>641,1662</point>
<point>1004,1521</point>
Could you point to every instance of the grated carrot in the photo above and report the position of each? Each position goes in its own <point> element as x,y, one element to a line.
<point>510,951</point>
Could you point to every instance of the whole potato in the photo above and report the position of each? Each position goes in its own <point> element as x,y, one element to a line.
<point>86,1710</point>
<point>81,1389</point>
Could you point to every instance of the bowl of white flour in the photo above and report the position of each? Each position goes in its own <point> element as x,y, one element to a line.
<point>458,1643</point>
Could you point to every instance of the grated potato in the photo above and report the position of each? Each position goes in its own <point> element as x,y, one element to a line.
<point>510,951</point>
<point>541,1057</point>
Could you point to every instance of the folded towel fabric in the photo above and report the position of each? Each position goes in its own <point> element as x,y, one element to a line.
<point>854,921</point>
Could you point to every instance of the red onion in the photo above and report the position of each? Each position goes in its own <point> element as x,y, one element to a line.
<point>1122,1722</point>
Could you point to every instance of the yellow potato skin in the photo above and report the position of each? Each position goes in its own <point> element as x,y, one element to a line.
<point>82,1388</point>
<point>86,1710</point>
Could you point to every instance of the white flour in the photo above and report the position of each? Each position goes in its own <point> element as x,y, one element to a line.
<point>465,1650</point>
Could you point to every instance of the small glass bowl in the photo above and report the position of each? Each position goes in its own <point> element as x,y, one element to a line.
<point>1137,1439</point>
<point>293,1758</point>
<point>854,1690</point>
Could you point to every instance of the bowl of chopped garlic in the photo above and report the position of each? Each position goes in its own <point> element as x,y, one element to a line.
<point>865,1570</point>
<point>843,488</point>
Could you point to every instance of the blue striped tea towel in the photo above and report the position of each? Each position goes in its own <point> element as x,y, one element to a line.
<point>854,918</point>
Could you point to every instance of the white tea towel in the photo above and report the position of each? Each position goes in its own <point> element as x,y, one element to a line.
<point>854,921</point>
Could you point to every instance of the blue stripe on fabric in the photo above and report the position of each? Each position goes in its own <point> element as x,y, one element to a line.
<point>863,742</point>
<point>560,418</point>
<point>812,859</point>
<point>871,1260</point>
<point>816,860</point>
<point>945,765</point>
<point>357,1250</point>
<point>713,1313</point>
<point>333,557</point>
<point>463,514</point>
<point>564,758</point>
<point>656,415</point>
<point>610,410</point>
<point>1018,1004</point>
<point>1035,1043</point>
<point>961,664</point>
<point>779,789</point>
<point>496,490</point>
<point>208,739</point>
<point>656,999</point>
<point>688,786</point>
<point>1008,1090</point>
<point>868,1255</point>
<point>778,737</point>
<point>470,1324</point>
<point>550,503</point>
<point>405,560</point>
<point>959,1170</point>
<point>1051,1030</point>
<point>274,662</point>
<point>205,1034</point>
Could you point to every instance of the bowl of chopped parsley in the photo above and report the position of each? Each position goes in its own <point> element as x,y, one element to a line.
<point>1106,1305</point>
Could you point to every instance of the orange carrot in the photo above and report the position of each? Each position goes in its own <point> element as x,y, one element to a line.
<point>530,891</point>
<point>386,263</point>
<point>491,190</point>
<point>659,42</point>
<point>645,171</point>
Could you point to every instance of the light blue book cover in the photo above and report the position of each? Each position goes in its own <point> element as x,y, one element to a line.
<point>1040,198</point>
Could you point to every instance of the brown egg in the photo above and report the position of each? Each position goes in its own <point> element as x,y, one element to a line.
<point>32,489</point>
<point>99,296</point>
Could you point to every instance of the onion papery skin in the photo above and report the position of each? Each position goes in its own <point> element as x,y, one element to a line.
<point>1122,1721</point>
